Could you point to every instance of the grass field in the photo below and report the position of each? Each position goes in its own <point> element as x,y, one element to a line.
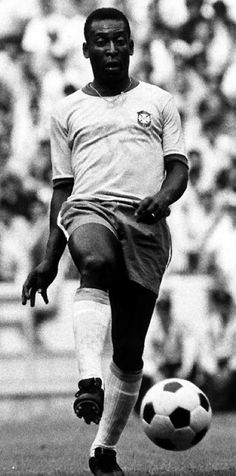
<point>55,443</point>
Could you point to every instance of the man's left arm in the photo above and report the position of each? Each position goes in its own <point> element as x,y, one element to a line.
<point>155,207</point>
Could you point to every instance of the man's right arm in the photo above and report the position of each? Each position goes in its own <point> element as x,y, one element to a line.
<point>44,274</point>
<point>57,242</point>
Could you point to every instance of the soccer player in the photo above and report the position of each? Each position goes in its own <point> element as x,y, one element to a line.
<point>118,163</point>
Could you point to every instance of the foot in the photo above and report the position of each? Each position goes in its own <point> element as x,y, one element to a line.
<point>89,400</point>
<point>103,463</point>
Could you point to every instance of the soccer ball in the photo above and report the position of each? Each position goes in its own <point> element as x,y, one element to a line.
<point>175,414</point>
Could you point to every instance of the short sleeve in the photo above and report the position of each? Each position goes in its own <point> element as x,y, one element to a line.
<point>60,151</point>
<point>172,138</point>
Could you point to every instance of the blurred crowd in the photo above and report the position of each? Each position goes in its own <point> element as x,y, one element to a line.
<point>184,46</point>
<point>205,354</point>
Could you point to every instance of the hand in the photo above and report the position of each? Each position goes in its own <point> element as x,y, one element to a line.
<point>38,280</point>
<point>152,209</point>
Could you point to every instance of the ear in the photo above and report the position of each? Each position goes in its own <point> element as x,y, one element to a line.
<point>131,47</point>
<point>85,50</point>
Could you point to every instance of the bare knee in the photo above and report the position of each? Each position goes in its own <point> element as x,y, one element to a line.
<point>94,250</point>
<point>97,271</point>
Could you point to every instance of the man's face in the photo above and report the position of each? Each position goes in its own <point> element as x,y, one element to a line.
<point>109,48</point>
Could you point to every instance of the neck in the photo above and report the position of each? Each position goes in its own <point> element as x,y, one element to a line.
<point>112,88</point>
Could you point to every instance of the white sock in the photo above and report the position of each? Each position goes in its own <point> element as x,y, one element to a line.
<point>121,393</point>
<point>91,319</point>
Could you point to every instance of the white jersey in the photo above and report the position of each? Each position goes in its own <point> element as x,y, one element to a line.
<point>114,148</point>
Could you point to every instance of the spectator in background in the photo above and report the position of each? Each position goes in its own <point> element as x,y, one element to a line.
<point>226,183</point>
<point>58,82</point>
<point>212,144</point>
<point>219,248</point>
<point>195,17</point>
<point>39,174</point>
<point>188,87</point>
<point>200,222</point>
<point>12,75</point>
<point>222,46</point>
<point>41,34</point>
<point>222,16</point>
<point>185,222</point>
<point>14,15</point>
<point>169,12</point>
<point>202,37</point>
<point>163,66</point>
<point>52,42</point>
<point>5,124</point>
<point>18,219</point>
<point>218,362</point>
<point>14,258</point>
<point>12,193</point>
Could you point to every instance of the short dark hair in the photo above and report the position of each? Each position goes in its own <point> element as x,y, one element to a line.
<point>105,13</point>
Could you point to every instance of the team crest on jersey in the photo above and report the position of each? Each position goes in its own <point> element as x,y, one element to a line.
<point>144,118</point>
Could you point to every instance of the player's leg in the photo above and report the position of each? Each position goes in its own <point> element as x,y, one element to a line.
<point>95,251</point>
<point>132,308</point>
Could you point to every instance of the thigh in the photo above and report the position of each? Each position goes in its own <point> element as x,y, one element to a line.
<point>132,308</point>
<point>96,253</point>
